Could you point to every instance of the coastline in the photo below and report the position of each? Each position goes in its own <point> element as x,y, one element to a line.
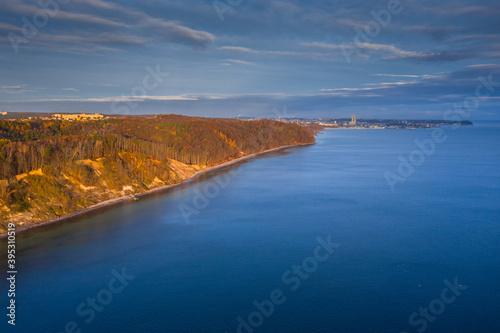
<point>115,201</point>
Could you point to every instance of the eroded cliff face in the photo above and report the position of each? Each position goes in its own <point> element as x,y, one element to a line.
<point>51,196</point>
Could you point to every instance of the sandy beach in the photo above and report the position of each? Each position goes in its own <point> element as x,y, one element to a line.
<point>118,200</point>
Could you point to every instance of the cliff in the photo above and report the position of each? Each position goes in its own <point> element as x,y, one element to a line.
<point>50,168</point>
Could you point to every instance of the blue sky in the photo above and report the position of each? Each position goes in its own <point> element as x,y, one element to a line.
<point>319,58</point>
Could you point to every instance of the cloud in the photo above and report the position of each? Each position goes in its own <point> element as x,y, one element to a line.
<point>131,23</point>
<point>173,32</point>
<point>100,4</point>
<point>11,87</point>
<point>370,47</point>
<point>397,75</point>
<point>345,90</point>
<point>270,52</point>
<point>169,31</point>
<point>15,90</point>
<point>432,89</point>
<point>9,27</point>
<point>237,49</point>
<point>239,62</point>
<point>30,10</point>
<point>392,52</point>
<point>70,89</point>
<point>386,84</point>
<point>443,56</point>
<point>86,18</point>
<point>96,38</point>
<point>324,46</point>
<point>391,49</point>
<point>493,67</point>
<point>113,99</point>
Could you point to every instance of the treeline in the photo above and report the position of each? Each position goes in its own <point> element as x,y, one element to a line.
<point>26,146</point>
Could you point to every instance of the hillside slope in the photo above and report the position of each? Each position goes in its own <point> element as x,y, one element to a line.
<point>49,168</point>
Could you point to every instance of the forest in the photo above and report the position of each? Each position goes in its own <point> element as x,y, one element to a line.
<point>49,168</point>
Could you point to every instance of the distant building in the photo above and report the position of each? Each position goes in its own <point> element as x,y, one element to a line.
<point>353,121</point>
<point>78,116</point>
<point>3,113</point>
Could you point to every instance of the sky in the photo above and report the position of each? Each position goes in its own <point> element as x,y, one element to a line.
<point>404,59</point>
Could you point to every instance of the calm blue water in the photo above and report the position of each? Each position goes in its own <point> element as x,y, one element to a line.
<point>396,248</point>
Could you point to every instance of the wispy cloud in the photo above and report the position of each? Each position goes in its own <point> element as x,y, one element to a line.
<point>391,52</point>
<point>132,24</point>
<point>8,27</point>
<point>238,62</point>
<point>324,46</point>
<point>113,99</point>
<point>237,49</point>
<point>241,49</point>
<point>345,90</point>
<point>397,75</point>
<point>11,87</point>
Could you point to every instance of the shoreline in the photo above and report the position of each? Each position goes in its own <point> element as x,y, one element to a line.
<point>115,201</point>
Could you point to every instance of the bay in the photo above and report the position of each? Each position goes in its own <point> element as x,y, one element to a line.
<point>259,219</point>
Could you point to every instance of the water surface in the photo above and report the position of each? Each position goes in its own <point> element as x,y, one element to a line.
<point>396,247</point>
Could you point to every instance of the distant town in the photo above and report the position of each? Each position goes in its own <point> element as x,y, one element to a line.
<point>355,123</point>
<point>352,122</point>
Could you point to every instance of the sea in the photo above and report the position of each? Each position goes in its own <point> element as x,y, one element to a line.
<point>365,231</point>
